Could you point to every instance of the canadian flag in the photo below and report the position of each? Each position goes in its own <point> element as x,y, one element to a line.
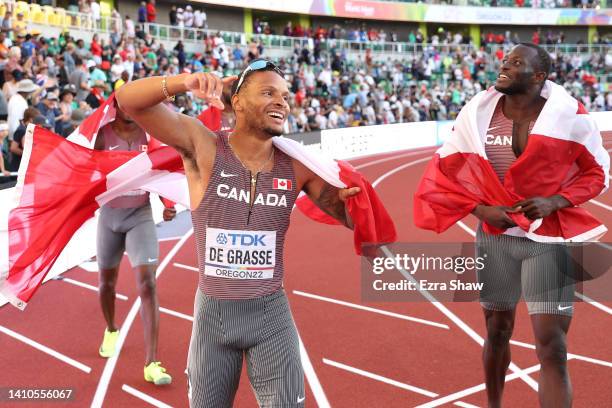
<point>564,156</point>
<point>282,184</point>
<point>61,183</point>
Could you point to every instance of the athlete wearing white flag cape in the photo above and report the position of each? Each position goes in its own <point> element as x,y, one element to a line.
<point>522,157</point>
<point>62,183</point>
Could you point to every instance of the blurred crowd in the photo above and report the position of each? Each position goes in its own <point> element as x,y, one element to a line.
<point>430,85</point>
<point>56,82</point>
<point>363,33</point>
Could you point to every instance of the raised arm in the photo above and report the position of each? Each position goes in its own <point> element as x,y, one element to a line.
<point>143,101</point>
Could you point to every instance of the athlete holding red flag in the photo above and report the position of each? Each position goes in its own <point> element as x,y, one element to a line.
<point>522,157</point>
<point>240,211</point>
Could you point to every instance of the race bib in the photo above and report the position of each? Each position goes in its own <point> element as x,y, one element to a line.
<point>236,254</point>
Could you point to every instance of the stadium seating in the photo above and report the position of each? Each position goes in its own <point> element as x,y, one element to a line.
<point>23,7</point>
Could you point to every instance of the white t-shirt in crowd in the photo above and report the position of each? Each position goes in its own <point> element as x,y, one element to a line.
<point>129,67</point>
<point>321,120</point>
<point>309,79</point>
<point>332,120</point>
<point>95,10</point>
<point>116,70</point>
<point>326,77</point>
<point>15,108</point>
<point>188,16</point>
<point>198,19</point>
<point>129,28</point>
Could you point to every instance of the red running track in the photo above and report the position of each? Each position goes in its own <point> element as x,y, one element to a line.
<point>390,355</point>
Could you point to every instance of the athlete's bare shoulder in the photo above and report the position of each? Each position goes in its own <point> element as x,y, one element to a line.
<point>302,173</point>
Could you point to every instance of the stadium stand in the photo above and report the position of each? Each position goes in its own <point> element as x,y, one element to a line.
<point>340,76</point>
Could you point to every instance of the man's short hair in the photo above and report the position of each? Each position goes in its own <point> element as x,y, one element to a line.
<point>543,62</point>
<point>269,67</point>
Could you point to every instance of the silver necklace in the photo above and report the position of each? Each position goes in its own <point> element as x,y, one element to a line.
<point>253,174</point>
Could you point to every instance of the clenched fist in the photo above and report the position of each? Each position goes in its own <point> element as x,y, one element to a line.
<point>208,87</point>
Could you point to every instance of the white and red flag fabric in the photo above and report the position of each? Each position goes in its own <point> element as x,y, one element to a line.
<point>61,183</point>
<point>564,155</point>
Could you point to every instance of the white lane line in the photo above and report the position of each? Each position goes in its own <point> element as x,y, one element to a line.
<point>189,268</point>
<point>465,405</point>
<point>454,318</point>
<point>594,303</point>
<point>109,367</point>
<point>473,390</point>
<point>45,349</point>
<point>380,378</point>
<point>86,286</point>
<point>309,372</point>
<point>600,204</point>
<point>311,376</point>
<point>460,323</point>
<point>176,314</point>
<point>386,159</point>
<point>569,355</point>
<point>390,381</point>
<point>374,155</point>
<point>466,228</point>
<point>146,398</point>
<point>580,295</point>
<point>371,309</point>
<point>89,266</point>
<point>168,239</point>
<point>398,169</point>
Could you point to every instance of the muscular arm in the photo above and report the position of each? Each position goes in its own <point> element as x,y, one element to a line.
<point>328,198</point>
<point>142,100</point>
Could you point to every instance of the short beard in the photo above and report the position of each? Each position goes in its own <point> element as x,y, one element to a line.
<point>272,132</point>
<point>516,88</point>
<point>513,89</point>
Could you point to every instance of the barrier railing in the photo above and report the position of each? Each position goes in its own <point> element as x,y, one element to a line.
<point>189,34</point>
<point>563,48</point>
<point>59,17</point>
